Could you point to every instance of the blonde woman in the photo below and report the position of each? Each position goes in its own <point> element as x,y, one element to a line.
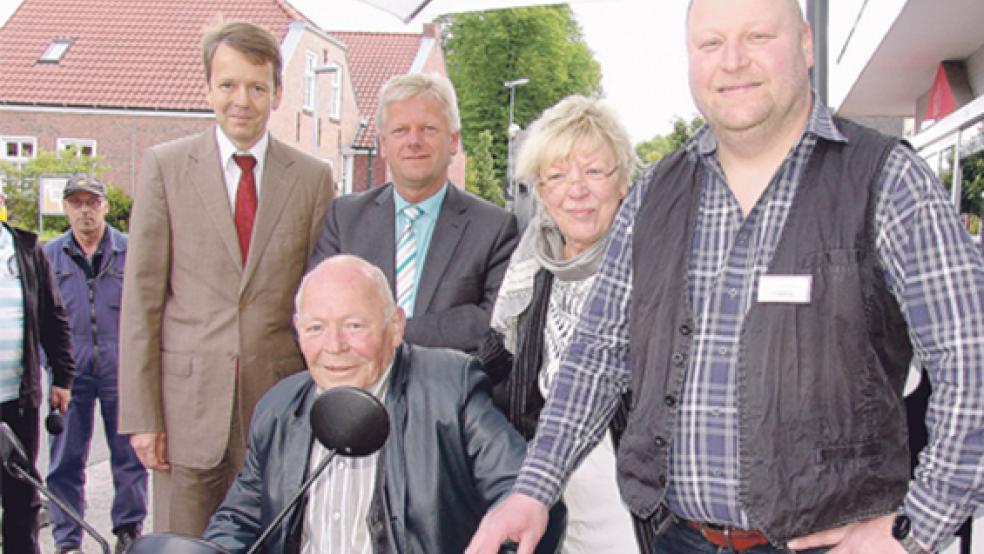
<point>581,159</point>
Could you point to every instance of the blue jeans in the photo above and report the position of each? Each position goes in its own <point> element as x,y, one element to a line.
<point>70,454</point>
<point>680,538</point>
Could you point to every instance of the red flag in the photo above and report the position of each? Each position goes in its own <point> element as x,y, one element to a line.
<point>941,101</point>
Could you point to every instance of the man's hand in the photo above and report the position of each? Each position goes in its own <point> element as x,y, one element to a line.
<point>863,537</point>
<point>151,448</point>
<point>518,518</point>
<point>59,398</point>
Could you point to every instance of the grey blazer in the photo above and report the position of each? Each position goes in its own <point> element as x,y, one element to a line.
<point>465,263</point>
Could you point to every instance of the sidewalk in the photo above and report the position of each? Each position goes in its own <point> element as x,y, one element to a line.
<point>98,493</point>
<point>99,499</point>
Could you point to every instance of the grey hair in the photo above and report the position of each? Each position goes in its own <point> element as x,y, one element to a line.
<point>412,85</point>
<point>575,121</point>
<point>368,270</point>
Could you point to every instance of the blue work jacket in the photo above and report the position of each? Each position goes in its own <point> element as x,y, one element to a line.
<point>92,301</point>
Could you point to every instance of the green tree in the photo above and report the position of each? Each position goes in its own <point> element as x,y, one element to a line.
<point>484,49</point>
<point>21,185</point>
<point>661,145</point>
<point>971,189</point>
<point>120,204</point>
<point>480,177</point>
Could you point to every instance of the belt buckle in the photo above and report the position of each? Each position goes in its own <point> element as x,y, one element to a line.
<point>727,538</point>
<point>706,529</point>
<point>724,530</point>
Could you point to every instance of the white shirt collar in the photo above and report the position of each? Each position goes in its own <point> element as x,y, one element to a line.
<point>231,171</point>
<point>227,148</point>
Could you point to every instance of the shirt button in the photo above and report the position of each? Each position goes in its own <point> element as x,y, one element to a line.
<point>660,442</point>
<point>669,400</point>
<point>732,292</point>
<point>677,359</point>
<point>723,350</point>
<point>336,516</point>
<point>685,329</point>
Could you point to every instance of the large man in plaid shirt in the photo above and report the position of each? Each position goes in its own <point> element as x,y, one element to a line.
<point>762,295</point>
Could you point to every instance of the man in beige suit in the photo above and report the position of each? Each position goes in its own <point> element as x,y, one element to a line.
<point>222,225</point>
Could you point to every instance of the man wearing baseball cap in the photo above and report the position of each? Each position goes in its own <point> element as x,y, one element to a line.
<point>88,263</point>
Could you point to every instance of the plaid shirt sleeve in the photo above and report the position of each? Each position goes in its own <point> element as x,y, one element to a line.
<point>594,370</point>
<point>937,275</point>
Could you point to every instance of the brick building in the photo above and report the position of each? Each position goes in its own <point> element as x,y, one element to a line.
<point>113,77</point>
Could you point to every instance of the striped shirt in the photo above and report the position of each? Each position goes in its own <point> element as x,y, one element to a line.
<point>338,503</point>
<point>11,320</point>
<point>929,263</point>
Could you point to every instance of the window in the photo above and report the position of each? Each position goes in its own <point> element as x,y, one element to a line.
<point>335,93</point>
<point>81,147</point>
<point>18,150</point>
<point>334,81</point>
<point>310,61</point>
<point>56,50</point>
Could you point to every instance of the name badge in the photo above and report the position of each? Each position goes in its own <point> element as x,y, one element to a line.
<point>785,289</point>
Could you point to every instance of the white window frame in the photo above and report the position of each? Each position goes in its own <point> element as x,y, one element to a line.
<point>21,141</point>
<point>335,97</point>
<point>63,144</point>
<point>310,62</point>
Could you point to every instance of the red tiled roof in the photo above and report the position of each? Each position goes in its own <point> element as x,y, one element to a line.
<point>373,59</point>
<point>125,53</point>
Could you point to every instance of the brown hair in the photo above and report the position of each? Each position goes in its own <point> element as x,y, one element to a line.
<point>255,42</point>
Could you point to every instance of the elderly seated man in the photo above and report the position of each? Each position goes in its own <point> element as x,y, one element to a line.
<point>450,455</point>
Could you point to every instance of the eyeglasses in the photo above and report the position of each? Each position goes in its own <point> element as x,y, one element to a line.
<point>591,176</point>
<point>90,203</point>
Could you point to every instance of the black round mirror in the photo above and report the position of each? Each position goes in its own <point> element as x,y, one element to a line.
<point>350,421</point>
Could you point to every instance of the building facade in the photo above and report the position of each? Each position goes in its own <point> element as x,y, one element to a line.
<point>916,68</point>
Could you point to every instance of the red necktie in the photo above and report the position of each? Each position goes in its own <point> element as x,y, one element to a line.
<point>245,201</point>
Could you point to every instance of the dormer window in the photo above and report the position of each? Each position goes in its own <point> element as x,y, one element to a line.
<point>56,50</point>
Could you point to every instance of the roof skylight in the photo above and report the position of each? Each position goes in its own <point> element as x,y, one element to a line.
<point>56,50</point>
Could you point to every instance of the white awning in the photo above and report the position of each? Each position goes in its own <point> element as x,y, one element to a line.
<point>408,10</point>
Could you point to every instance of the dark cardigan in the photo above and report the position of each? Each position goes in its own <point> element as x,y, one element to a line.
<point>515,380</point>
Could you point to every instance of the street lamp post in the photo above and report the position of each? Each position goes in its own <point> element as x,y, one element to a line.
<point>510,132</point>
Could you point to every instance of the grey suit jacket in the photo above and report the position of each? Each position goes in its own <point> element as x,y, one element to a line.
<point>192,316</point>
<point>465,263</point>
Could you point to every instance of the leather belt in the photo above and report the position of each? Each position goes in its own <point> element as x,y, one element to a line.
<point>727,537</point>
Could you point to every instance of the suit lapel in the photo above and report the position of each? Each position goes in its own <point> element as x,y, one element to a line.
<point>275,191</point>
<point>380,222</point>
<point>206,176</point>
<point>297,444</point>
<point>448,230</point>
<point>394,451</point>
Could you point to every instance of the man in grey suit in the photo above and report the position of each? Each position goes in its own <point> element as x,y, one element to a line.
<point>443,250</point>
<point>222,225</point>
